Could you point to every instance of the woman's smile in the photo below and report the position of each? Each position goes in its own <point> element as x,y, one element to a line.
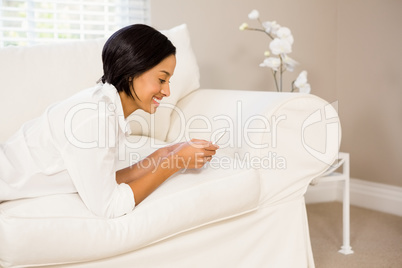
<point>156,101</point>
<point>150,88</point>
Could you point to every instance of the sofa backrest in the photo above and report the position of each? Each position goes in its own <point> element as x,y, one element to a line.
<point>32,78</point>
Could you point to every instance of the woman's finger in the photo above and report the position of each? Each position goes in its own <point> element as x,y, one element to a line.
<point>199,143</point>
<point>212,147</point>
<point>209,152</point>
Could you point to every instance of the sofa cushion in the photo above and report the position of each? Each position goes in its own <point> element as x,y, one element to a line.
<point>59,229</point>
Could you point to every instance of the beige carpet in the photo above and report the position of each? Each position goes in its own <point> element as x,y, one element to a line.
<point>376,238</point>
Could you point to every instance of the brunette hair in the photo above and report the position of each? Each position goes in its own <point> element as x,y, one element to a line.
<point>130,52</point>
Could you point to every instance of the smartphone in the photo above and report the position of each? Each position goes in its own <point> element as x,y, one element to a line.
<point>220,137</point>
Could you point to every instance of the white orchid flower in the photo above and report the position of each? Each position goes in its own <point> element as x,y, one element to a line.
<point>290,63</point>
<point>301,83</point>
<point>243,26</point>
<point>285,34</point>
<point>301,79</point>
<point>272,62</point>
<point>254,15</point>
<point>280,46</point>
<point>277,57</point>
<point>305,89</point>
<point>271,27</point>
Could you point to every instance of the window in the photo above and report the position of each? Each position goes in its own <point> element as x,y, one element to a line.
<point>33,21</point>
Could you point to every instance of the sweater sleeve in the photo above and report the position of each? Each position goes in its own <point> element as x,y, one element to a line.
<point>89,157</point>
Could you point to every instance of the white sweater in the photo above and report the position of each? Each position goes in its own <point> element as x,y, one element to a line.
<point>72,147</point>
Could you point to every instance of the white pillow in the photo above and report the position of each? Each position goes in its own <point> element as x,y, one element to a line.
<point>185,80</point>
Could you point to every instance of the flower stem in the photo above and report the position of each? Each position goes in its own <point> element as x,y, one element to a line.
<point>264,29</point>
<point>259,30</point>
<point>276,81</point>
<point>281,71</point>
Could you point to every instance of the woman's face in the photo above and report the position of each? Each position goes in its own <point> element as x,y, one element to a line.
<point>153,85</point>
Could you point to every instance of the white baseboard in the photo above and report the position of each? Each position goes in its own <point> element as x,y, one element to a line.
<point>370,195</point>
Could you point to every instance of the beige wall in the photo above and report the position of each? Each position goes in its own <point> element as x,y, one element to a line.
<point>369,82</point>
<point>351,50</point>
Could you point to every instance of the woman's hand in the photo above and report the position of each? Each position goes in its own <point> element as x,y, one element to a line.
<point>193,154</point>
<point>168,160</point>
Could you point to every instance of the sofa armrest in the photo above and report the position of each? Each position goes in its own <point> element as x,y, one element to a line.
<point>290,138</point>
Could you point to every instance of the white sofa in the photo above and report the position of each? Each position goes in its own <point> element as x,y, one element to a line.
<point>244,209</point>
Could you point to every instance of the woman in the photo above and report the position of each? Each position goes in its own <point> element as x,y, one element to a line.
<point>72,147</point>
